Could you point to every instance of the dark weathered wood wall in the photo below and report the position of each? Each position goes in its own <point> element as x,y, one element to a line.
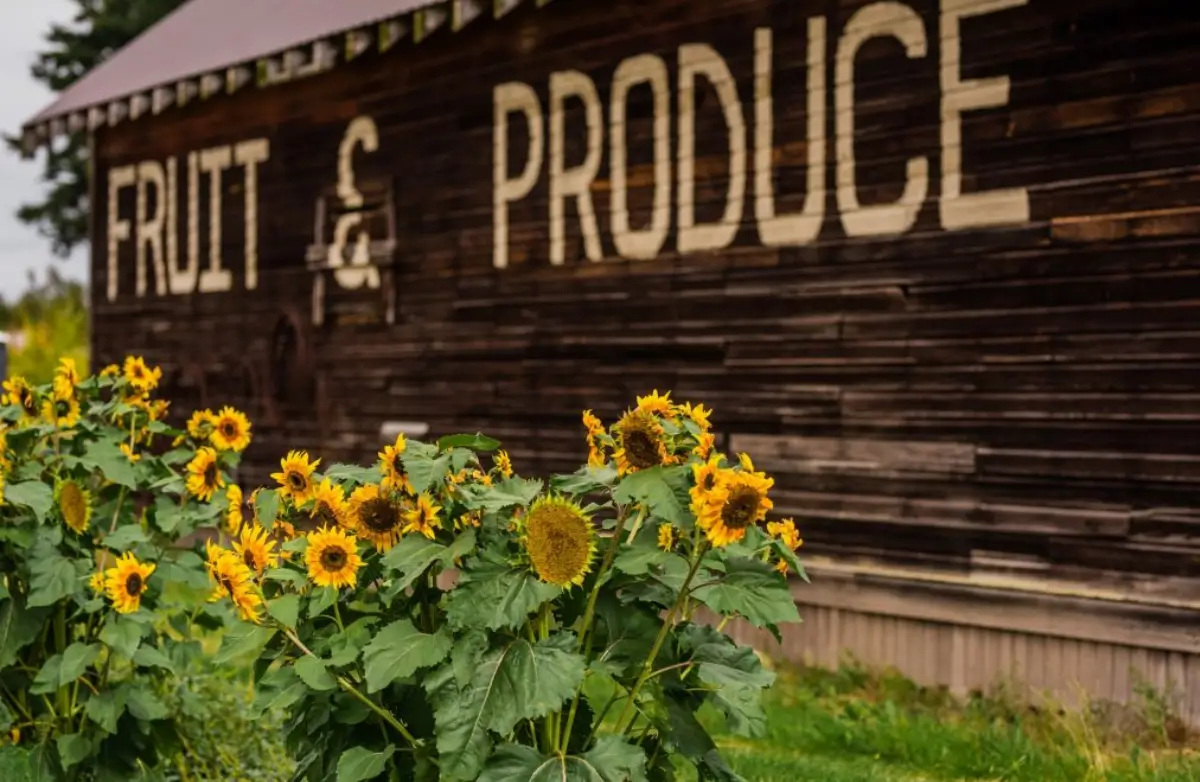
<point>1015,399</point>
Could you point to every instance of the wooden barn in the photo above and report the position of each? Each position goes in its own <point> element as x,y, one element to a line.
<point>936,265</point>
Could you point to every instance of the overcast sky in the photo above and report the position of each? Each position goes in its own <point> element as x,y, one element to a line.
<point>23,23</point>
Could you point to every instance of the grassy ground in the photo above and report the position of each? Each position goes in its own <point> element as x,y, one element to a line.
<point>856,726</point>
<point>849,725</point>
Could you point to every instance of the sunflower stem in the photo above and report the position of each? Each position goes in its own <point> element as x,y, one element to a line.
<point>60,642</point>
<point>648,665</point>
<point>354,692</point>
<point>589,613</point>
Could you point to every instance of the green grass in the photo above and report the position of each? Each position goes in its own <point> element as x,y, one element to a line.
<point>853,725</point>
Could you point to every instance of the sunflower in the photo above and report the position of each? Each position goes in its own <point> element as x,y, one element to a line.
<point>140,376</point>
<point>332,558</point>
<point>61,408</point>
<point>75,504</point>
<point>127,449</point>
<point>595,433</point>
<point>200,425</point>
<point>781,567</point>
<point>66,376</point>
<point>112,370</point>
<point>125,583</point>
<point>395,475</point>
<point>204,474</point>
<point>375,516</point>
<point>424,516</point>
<point>295,476</point>
<point>230,430</point>
<point>666,537</point>
<point>470,519</point>
<point>96,582</point>
<point>786,531</point>
<point>655,403</point>
<point>737,501</point>
<point>233,579</point>
<point>504,464</point>
<point>560,541</point>
<point>698,414</point>
<point>705,477</point>
<point>256,549</point>
<point>704,445</point>
<point>329,505</point>
<point>233,514</point>
<point>18,392</point>
<point>640,442</point>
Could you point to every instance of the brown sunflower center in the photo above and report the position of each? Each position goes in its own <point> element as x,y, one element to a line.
<point>250,560</point>
<point>229,429</point>
<point>398,465</point>
<point>26,397</point>
<point>210,474</point>
<point>741,508</point>
<point>225,582</point>
<point>324,513</point>
<point>708,481</point>
<point>333,559</point>
<point>296,480</point>
<point>62,408</point>
<point>641,448</point>
<point>134,584</point>
<point>379,515</point>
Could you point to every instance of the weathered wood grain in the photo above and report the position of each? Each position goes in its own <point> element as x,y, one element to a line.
<point>1010,399</point>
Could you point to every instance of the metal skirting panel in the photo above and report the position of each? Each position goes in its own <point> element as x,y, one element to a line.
<point>965,658</point>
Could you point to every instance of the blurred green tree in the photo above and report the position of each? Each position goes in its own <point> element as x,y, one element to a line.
<point>98,29</point>
<point>49,321</point>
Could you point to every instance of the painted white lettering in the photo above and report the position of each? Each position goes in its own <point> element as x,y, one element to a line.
<point>172,229</point>
<point>576,181</point>
<point>970,210</point>
<point>214,161</point>
<point>697,59</point>
<point>647,243</point>
<point>249,155</point>
<point>150,227</point>
<point>511,97</point>
<point>184,280</point>
<point>117,229</point>
<point>903,23</point>
<point>361,130</point>
<point>798,229</point>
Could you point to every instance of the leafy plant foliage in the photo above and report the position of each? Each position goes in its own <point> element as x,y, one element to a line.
<point>446,619</point>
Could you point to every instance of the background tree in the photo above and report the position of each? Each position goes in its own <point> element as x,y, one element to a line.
<point>49,321</point>
<point>98,29</point>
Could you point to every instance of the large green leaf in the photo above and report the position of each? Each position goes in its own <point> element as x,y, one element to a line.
<point>611,760</point>
<point>285,609</point>
<point>359,764</point>
<point>53,579</point>
<point>243,641</point>
<point>423,468</point>
<point>122,635</point>
<point>314,673</point>
<point>64,668</point>
<point>35,495</point>
<point>411,556</point>
<point>720,661</point>
<point>752,589</point>
<point>73,749</point>
<point>106,708</point>
<point>125,537</point>
<point>628,633</point>
<point>663,490</point>
<point>514,682</point>
<point>400,649</point>
<point>495,596</point>
<point>107,457</point>
<point>509,493</point>
<point>19,627</point>
<point>476,442</point>
<point>639,558</point>
<point>585,480</point>
<point>266,507</point>
<point>354,473</point>
<point>150,657</point>
<point>144,704</point>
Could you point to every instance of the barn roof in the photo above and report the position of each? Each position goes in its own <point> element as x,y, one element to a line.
<point>207,48</point>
